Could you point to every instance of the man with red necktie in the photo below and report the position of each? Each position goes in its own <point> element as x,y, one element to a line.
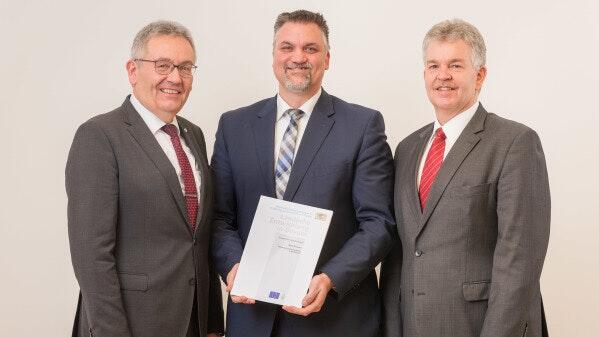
<point>472,209</point>
<point>140,204</point>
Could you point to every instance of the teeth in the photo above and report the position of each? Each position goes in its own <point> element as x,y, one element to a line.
<point>169,91</point>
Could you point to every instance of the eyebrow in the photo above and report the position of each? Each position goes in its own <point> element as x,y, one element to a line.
<point>173,62</point>
<point>309,44</point>
<point>450,61</point>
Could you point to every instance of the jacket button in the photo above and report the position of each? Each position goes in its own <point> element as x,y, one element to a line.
<point>417,253</point>
<point>192,281</point>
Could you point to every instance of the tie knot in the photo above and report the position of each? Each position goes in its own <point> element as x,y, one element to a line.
<point>440,134</point>
<point>170,130</point>
<point>295,114</point>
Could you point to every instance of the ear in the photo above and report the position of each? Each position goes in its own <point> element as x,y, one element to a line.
<point>327,60</point>
<point>480,77</point>
<point>131,67</point>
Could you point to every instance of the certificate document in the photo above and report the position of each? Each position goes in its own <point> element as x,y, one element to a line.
<point>281,251</point>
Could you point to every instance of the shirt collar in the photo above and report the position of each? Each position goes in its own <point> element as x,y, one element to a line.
<point>454,127</point>
<point>307,107</point>
<point>152,121</point>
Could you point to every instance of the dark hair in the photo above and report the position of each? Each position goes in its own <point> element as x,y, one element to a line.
<point>304,16</point>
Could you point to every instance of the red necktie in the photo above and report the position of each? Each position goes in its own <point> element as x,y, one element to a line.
<point>191,193</point>
<point>432,165</point>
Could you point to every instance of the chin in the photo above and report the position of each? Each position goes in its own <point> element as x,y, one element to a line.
<point>297,87</point>
<point>173,109</point>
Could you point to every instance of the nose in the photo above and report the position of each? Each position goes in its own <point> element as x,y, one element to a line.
<point>174,76</point>
<point>298,56</point>
<point>443,74</point>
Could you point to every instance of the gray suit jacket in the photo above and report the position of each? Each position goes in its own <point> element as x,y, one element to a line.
<point>137,262</point>
<point>469,264</point>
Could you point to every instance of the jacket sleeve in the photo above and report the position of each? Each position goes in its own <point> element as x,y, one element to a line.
<point>372,192</point>
<point>91,179</point>
<point>391,292</point>
<point>215,305</point>
<point>523,216</point>
<point>226,245</point>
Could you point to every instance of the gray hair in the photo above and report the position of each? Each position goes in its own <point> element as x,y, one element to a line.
<point>304,16</point>
<point>155,28</point>
<point>457,29</point>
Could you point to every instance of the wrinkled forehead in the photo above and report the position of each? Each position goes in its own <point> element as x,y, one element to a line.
<point>169,47</point>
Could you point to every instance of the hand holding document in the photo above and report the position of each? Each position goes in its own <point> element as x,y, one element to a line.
<point>281,252</point>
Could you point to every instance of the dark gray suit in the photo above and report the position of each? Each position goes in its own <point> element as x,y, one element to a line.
<point>136,259</point>
<point>472,259</point>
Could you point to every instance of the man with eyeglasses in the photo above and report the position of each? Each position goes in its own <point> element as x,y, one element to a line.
<point>140,202</point>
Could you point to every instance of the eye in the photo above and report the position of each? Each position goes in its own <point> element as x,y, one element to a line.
<point>311,50</point>
<point>456,66</point>
<point>286,47</point>
<point>186,67</point>
<point>162,65</point>
<point>433,66</point>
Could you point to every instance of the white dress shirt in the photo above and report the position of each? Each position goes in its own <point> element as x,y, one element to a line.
<point>452,129</point>
<point>282,122</point>
<point>164,140</point>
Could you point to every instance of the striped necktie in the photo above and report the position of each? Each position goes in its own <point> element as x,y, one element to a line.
<point>286,152</point>
<point>432,165</point>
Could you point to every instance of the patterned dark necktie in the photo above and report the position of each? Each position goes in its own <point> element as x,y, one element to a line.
<point>189,183</point>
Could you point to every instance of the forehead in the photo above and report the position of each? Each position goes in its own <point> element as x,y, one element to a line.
<point>447,50</point>
<point>299,33</point>
<point>175,48</point>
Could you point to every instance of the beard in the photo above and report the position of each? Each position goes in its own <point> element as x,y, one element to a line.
<point>304,84</point>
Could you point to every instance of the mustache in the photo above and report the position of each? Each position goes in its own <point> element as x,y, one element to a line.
<point>294,65</point>
<point>444,84</point>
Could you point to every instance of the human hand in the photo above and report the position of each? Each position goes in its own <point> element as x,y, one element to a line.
<point>320,286</point>
<point>230,280</point>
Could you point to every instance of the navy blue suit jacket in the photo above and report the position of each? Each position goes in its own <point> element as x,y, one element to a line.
<point>343,164</point>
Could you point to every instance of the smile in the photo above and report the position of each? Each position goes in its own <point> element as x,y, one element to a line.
<point>169,91</point>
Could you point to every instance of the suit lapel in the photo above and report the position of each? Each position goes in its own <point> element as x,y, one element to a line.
<point>416,157</point>
<point>460,150</point>
<point>146,140</point>
<point>193,145</point>
<point>263,129</point>
<point>317,129</point>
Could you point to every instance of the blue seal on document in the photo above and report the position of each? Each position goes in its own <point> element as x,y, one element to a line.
<point>274,294</point>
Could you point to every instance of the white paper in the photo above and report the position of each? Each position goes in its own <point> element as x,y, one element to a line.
<point>281,251</point>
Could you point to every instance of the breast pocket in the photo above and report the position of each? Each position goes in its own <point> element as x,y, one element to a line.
<point>330,169</point>
<point>466,191</point>
<point>325,184</point>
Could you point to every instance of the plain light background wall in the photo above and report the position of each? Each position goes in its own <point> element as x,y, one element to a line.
<point>63,62</point>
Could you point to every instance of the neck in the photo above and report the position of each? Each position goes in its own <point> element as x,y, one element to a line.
<point>297,99</point>
<point>165,116</point>
<point>444,116</point>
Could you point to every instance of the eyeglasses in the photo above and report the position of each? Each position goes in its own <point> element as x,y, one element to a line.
<point>164,67</point>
